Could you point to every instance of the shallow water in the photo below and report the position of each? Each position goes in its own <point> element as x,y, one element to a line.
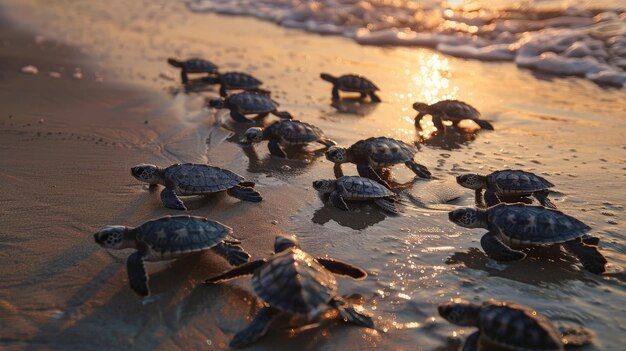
<point>567,129</point>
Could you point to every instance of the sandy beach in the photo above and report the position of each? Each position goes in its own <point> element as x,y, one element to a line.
<point>104,99</point>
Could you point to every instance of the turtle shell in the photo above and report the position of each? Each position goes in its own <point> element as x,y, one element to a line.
<point>190,178</point>
<point>516,182</point>
<point>238,80</point>
<point>295,132</point>
<point>356,83</point>
<point>171,236</point>
<point>295,282</point>
<point>517,327</point>
<point>521,224</point>
<point>455,110</point>
<point>197,65</point>
<point>382,151</point>
<point>248,102</point>
<point>359,188</point>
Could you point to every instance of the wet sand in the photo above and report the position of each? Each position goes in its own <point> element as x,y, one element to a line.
<point>67,146</point>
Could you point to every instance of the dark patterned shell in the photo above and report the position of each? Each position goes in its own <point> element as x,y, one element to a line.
<point>295,132</point>
<point>522,224</point>
<point>295,282</point>
<point>197,65</point>
<point>190,178</point>
<point>249,102</point>
<point>172,236</point>
<point>238,80</point>
<point>362,188</point>
<point>455,110</point>
<point>383,151</point>
<point>356,83</point>
<point>517,327</point>
<point>516,182</point>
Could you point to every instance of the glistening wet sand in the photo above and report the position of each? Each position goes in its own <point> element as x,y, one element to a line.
<point>59,290</point>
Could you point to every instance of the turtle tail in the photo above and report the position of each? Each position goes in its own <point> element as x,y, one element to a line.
<point>327,77</point>
<point>175,62</point>
<point>245,194</point>
<point>484,124</point>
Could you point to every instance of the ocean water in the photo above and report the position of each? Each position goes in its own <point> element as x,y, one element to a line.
<point>577,38</point>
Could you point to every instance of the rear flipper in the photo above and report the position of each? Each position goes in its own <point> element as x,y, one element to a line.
<point>137,276</point>
<point>256,329</point>
<point>420,170</point>
<point>171,200</point>
<point>237,272</point>
<point>235,254</point>
<point>350,315</point>
<point>387,206</point>
<point>472,342</point>
<point>497,250</point>
<point>542,197</point>
<point>237,116</point>
<point>245,194</point>
<point>491,199</point>
<point>327,142</point>
<point>368,172</point>
<point>576,337</point>
<point>342,268</point>
<point>275,148</point>
<point>282,114</point>
<point>374,97</point>
<point>484,124</point>
<point>589,256</point>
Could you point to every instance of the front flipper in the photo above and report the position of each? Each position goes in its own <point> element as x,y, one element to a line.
<point>245,193</point>
<point>471,343</point>
<point>337,170</point>
<point>241,271</point>
<point>342,268</point>
<point>282,114</point>
<point>438,122</point>
<point>589,256</point>
<point>350,315</point>
<point>171,200</point>
<point>491,199</point>
<point>590,240</point>
<point>542,197</point>
<point>387,205</point>
<point>420,170</point>
<point>239,117</point>
<point>326,142</point>
<point>234,254</point>
<point>368,172</point>
<point>256,329</point>
<point>337,200</point>
<point>223,92</point>
<point>137,276</point>
<point>275,148</point>
<point>479,199</point>
<point>418,118</point>
<point>335,92</point>
<point>576,337</point>
<point>497,250</point>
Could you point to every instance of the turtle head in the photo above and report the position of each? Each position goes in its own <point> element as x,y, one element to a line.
<point>469,217</point>
<point>114,237</point>
<point>421,107</point>
<point>216,103</point>
<point>253,135</point>
<point>337,154</point>
<point>146,173</point>
<point>460,312</point>
<point>327,77</point>
<point>324,186</point>
<point>472,181</point>
<point>284,242</point>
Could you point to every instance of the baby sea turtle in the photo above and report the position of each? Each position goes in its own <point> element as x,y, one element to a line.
<point>509,325</point>
<point>194,179</point>
<point>168,238</point>
<point>377,153</point>
<point>233,81</point>
<point>357,189</point>
<point>295,282</point>
<point>352,83</point>
<point>247,103</point>
<point>520,225</point>
<point>288,132</point>
<point>507,183</point>
<point>193,65</point>
<point>449,110</point>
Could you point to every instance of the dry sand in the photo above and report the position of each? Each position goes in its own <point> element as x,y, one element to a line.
<point>67,145</point>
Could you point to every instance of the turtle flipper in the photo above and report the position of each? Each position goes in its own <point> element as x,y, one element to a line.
<point>575,337</point>
<point>542,197</point>
<point>223,92</point>
<point>387,206</point>
<point>418,118</point>
<point>245,193</point>
<point>497,250</point>
<point>337,170</point>
<point>137,276</point>
<point>479,199</point>
<point>491,199</point>
<point>335,92</point>
<point>350,315</point>
<point>327,142</point>
<point>337,200</point>
<point>589,256</point>
<point>420,170</point>
<point>239,117</point>
<point>367,171</point>
<point>438,122</point>
<point>471,343</point>
<point>256,329</point>
<point>247,183</point>
<point>342,268</point>
<point>484,124</point>
<point>282,114</point>
<point>171,200</point>
<point>234,254</point>
<point>275,148</point>
<point>240,271</point>
<point>374,97</point>
<point>183,76</point>
<point>590,240</point>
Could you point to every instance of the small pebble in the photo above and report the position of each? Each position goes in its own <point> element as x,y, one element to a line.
<point>77,74</point>
<point>30,70</point>
<point>285,168</point>
<point>274,222</point>
<point>55,74</point>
